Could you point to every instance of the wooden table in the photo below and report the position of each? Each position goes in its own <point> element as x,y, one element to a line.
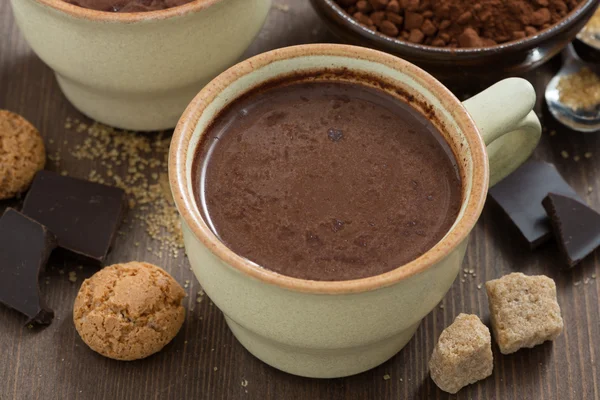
<point>206,362</point>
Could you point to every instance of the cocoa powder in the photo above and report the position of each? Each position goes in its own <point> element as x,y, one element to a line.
<point>458,23</point>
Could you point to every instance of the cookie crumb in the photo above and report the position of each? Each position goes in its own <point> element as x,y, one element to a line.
<point>564,154</point>
<point>386,377</point>
<point>73,276</point>
<point>588,154</point>
<point>244,383</point>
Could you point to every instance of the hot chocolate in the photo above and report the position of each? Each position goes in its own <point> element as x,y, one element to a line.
<point>128,6</point>
<point>326,181</point>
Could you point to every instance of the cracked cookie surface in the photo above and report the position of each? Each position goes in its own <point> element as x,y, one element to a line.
<point>129,311</point>
<point>22,154</point>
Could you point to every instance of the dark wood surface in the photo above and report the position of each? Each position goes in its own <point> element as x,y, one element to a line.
<point>205,361</point>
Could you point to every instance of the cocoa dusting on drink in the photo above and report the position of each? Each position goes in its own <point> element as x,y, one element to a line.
<point>458,23</point>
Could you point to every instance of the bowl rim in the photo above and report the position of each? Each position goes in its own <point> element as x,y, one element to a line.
<point>107,16</point>
<point>191,216</point>
<point>392,44</point>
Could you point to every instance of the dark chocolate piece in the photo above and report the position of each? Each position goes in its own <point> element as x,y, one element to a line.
<point>25,246</point>
<point>83,215</point>
<point>520,195</point>
<point>576,227</point>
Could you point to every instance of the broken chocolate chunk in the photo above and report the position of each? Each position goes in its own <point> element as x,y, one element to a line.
<point>520,195</point>
<point>83,215</point>
<point>25,246</point>
<point>576,227</point>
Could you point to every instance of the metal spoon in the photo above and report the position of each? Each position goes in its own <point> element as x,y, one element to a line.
<point>583,120</point>
<point>589,37</point>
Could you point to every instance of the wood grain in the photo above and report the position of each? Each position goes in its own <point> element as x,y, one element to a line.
<point>206,362</point>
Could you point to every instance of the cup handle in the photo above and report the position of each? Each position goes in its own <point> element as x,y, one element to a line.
<point>508,125</point>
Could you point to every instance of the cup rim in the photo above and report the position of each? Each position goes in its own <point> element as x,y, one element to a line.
<point>107,16</point>
<point>190,215</point>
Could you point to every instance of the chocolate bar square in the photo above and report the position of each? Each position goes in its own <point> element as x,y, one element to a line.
<point>576,227</point>
<point>25,246</point>
<point>520,195</point>
<point>83,215</point>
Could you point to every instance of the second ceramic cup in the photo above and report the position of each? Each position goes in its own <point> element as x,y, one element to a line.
<point>138,71</point>
<point>337,328</point>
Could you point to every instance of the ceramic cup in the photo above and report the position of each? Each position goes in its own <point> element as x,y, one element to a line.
<point>333,329</point>
<point>138,71</point>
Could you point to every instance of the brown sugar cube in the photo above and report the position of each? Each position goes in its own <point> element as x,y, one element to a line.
<point>462,355</point>
<point>523,310</point>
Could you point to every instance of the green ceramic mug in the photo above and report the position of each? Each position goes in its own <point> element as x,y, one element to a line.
<point>332,329</point>
<point>138,71</point>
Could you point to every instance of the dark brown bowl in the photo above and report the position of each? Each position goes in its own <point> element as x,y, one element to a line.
<point>462,67</point>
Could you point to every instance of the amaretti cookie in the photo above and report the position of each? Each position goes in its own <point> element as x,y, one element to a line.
<point>129,311</point>
<point>22,154</point>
